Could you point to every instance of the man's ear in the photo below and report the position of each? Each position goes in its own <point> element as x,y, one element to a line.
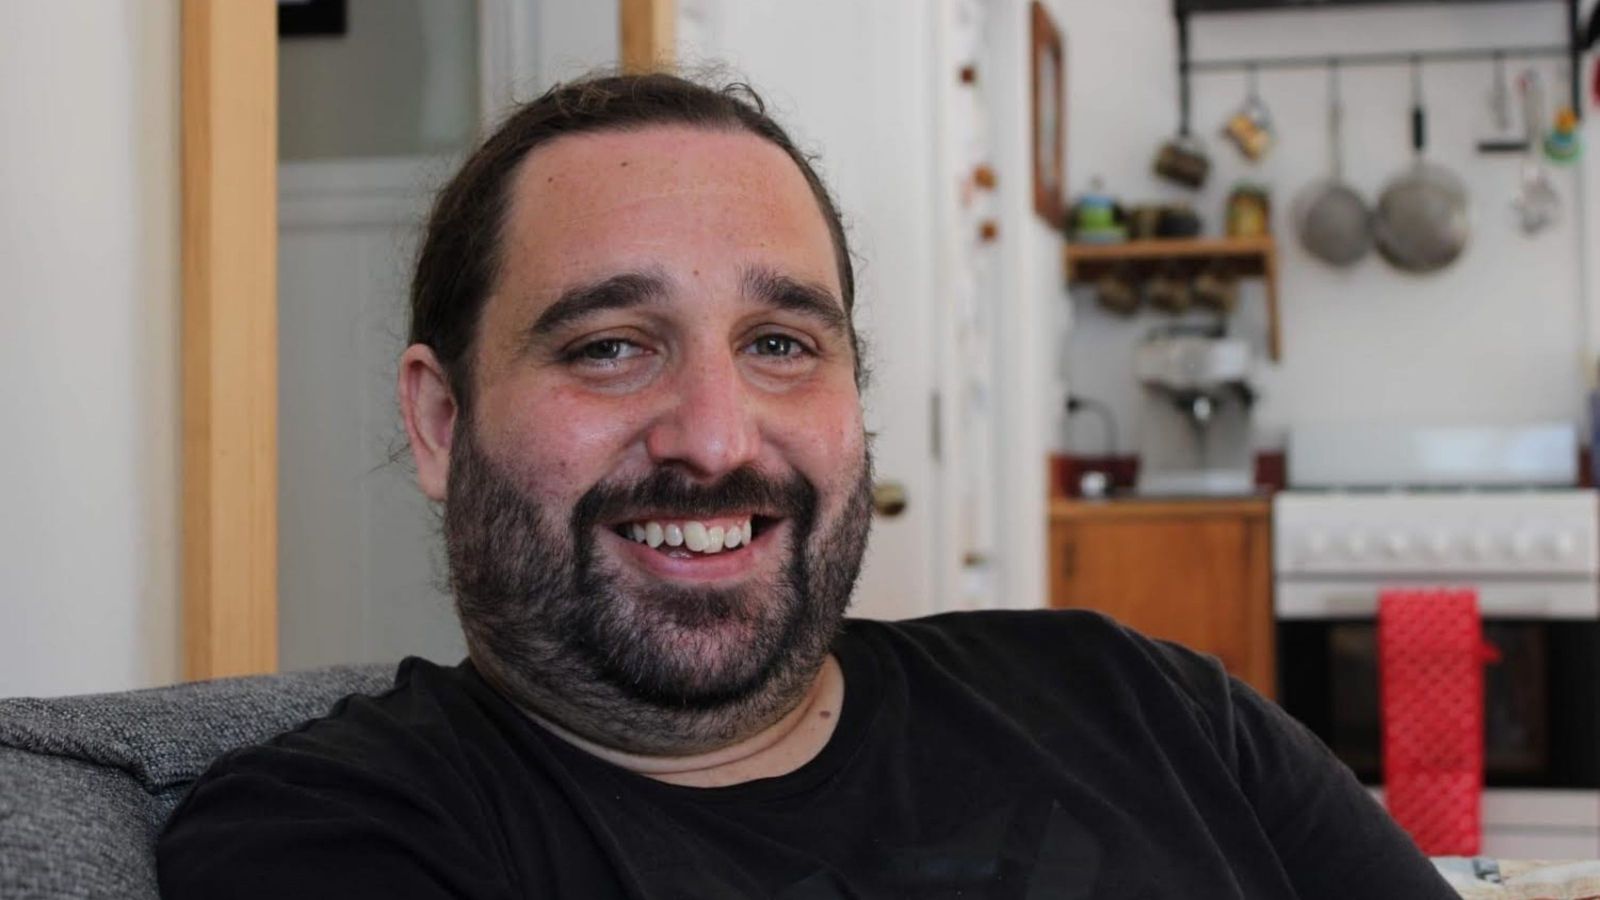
<point>429,411</point>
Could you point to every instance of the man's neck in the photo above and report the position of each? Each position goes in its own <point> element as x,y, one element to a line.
<point>778,749</point>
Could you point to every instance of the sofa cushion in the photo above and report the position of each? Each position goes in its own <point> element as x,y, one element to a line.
<point>87,782</point>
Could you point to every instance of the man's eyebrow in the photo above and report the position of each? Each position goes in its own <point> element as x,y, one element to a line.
<point>804,297</point>
<point>583,300</point>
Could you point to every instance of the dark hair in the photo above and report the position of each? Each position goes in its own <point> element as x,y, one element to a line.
<point>460,256</point>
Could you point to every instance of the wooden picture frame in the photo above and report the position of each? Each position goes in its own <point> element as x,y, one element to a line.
<point>1047,89</point>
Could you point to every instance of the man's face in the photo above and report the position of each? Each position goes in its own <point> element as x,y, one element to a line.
<point>664,361</point>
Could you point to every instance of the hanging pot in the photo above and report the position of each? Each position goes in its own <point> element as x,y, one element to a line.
<point>1331,219</point>
<point>1423,218</point>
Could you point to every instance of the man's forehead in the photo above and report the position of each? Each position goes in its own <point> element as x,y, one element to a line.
<point>694,206</point>
<point>736,155</point>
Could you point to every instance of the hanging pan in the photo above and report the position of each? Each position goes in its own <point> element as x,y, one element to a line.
<point>1423,218</point>
<point>1331,219</point>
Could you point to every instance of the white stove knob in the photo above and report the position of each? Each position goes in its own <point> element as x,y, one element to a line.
<point>1561,545</point>
<point>1522,546</point>
<point>1396,544</point>
<point>1315,545</point>
<point>1439,545</point>
<point>1481,546</point>
<point>1355,545</point>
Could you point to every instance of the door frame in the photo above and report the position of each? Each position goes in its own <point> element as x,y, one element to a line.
<point>230,304</point>
<point>229,337</point>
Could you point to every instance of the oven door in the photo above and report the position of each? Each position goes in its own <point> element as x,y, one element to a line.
<point>1541,699</point>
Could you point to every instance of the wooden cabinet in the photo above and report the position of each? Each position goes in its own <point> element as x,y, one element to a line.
<point>1195,572</point>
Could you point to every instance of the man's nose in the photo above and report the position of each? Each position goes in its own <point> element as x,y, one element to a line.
<point>709,426</point>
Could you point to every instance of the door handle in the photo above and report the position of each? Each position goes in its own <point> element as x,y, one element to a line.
<point>889,499</point>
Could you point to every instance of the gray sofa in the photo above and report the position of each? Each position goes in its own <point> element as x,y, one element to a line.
<point>86,782</point>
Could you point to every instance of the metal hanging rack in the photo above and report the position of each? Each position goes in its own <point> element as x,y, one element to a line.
<point>1571,51</point>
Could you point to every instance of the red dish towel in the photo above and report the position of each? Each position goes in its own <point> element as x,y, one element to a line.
<point>1430,667</point>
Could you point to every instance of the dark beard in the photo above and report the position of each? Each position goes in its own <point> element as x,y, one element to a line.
<point>657,669</point>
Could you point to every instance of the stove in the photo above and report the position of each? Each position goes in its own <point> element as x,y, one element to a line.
<point>1492,509</point>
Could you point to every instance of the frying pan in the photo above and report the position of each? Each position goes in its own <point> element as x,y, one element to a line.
<point>1331,219</point>
<point>1423,219</point>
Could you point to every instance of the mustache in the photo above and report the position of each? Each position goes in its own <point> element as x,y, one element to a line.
<point>669,492</point>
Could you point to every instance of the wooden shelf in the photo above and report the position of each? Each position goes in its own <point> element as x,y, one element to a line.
<point>1249,257</point>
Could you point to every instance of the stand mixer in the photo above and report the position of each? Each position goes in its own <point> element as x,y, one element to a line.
<point>1195,437</point>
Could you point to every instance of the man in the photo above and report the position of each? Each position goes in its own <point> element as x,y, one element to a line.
<point>633,383</point>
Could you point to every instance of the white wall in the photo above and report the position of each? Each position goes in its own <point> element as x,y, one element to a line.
<point>1499,337</point>
<point>89,346</point>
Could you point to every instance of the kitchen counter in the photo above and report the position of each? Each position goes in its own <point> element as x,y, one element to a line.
<point>1134,506</point>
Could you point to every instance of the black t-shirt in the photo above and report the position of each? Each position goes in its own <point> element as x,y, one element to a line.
<point>978,755</point>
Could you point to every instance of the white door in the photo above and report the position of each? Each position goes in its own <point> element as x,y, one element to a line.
<point>361,570</point>
<point>854,83</point>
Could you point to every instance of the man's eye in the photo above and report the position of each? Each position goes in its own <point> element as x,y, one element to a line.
<point>779,345</point>
<point>607,349</point>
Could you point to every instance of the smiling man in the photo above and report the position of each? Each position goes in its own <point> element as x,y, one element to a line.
<point>633,383</point>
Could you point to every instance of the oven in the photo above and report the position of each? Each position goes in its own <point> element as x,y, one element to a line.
<point>1541,696</point>
<point>1531,553</point>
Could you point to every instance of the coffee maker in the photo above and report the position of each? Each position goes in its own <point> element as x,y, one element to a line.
<point>1195,437</point>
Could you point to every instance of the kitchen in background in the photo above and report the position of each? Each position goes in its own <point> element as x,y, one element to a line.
<point>1286,294</point>
<point>1503,334</point>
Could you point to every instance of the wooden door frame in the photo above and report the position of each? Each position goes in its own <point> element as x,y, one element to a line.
<point>230,308</point>
<point>648,34</point>
<point>230,337</point>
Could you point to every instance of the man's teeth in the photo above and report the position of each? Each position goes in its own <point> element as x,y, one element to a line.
<point>693,535</point>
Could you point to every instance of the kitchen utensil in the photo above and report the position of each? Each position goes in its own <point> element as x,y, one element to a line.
<point>1537,203</point>
<point>1216,288</point>
<point>1500,95</point>
<point>1501,139</point>
<point>1183,159</point>
<point>1116,292</point>
<point>1249,210</point>
<point>1422,219</point>
<point>1142,221</point>
<point>1097,217</point>
<point>1331,219</point>
<point>1178,220</point>
<point>1251,128</point>
<point>1169,292</point>
<point>1562,143</point>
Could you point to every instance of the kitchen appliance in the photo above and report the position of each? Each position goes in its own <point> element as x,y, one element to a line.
<point>1489,509</point>
<point>1195,432</point>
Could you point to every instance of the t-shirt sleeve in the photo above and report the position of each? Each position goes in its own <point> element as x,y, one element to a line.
<point>273,823</point>
<point>1333,837</point>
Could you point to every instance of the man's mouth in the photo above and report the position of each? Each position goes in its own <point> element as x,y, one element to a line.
<point>686,538</point>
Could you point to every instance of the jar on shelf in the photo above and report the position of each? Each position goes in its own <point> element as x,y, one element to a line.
<point>1249,210</point>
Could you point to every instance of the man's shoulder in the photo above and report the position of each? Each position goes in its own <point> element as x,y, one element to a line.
<point>397,733</point>
<point>1061,646</point>
<point>1069,636</point>
<point>380,797</point>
